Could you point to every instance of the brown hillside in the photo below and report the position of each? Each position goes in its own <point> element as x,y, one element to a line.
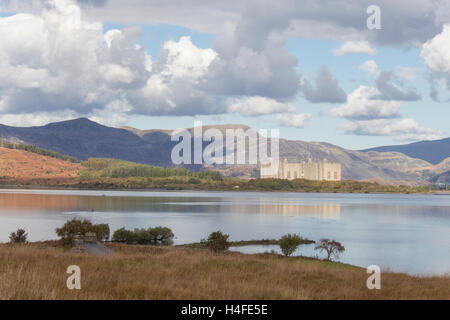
<point>24,166</point>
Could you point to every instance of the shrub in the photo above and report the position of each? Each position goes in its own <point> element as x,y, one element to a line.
<point>77,226</point>
<point>331,247</point>
<point>289,243</point>
<point>217,242</point>
<point>20,236</point>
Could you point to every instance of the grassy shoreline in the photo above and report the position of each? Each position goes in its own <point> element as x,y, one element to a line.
<point>242,243</point>
<point>233,185</point>
<point>38,271</point>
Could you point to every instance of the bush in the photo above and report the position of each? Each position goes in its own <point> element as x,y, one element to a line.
<point>20,236</point>
<point>289,243</point>
<point>217,242</point>
<point>155,236</point>
<point>77,226</point>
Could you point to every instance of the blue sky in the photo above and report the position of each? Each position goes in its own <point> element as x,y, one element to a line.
<point>237,66</point>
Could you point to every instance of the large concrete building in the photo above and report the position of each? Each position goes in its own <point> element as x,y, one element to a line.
<point>324,170</point>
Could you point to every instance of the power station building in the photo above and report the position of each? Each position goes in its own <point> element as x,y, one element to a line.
<point>324,170</point>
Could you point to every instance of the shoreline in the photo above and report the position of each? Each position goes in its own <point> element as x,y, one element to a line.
<point>73,188</point>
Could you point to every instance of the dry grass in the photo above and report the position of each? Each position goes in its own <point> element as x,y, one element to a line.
<point>38,271</point>
<point>24,166</point>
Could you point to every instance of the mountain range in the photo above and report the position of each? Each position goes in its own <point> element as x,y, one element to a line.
<point>433,151</point>
<point>83,139</point>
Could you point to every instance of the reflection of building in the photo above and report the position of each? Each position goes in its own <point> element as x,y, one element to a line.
<point>319,211</point>
<point>304,170</point>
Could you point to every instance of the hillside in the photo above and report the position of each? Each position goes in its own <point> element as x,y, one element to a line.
<point>433,151</point>
<point>20,165</point>
<point>83,139</point>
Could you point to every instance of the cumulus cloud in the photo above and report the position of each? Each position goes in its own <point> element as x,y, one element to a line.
<point>436,57</point>
<point>404,130</point>
<point>390,88</point>
<point>435,52</point>
<point>362,47</point>
<point>255,106</point>
<point>326,89</point>
<point>52,58</point>
<point>362,105</point>
<point>252,61</point>
<point>370,67</point>
<point>173,84</point>
<point>293,121</point>
<point>55,60</point>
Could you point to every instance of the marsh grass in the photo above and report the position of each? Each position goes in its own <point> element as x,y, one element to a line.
<point>38,271</point>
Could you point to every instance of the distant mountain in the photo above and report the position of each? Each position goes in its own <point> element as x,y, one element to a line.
<point>355,165</point>
<point>443,178</point>
<point>433,151</point>
<point>83,139</point>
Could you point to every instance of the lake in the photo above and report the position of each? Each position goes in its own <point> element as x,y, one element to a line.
<point>404,233</point>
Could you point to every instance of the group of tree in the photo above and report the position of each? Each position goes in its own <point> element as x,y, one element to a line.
<point>37,150</point>
<point>122,169</point>
<point>81,227</point>
<point>155,236</point>
<point>217,241</point>
<point>290,242</point>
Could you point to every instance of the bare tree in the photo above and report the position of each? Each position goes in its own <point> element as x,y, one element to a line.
<point>331,247</point>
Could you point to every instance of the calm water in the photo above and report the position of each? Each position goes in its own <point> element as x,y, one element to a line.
<point>408,233</point>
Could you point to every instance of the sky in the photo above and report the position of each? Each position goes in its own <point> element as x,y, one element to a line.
<point>314,69</point>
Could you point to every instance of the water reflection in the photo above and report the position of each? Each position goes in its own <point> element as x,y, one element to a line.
<point>407,233</point>
<point>319,211</point>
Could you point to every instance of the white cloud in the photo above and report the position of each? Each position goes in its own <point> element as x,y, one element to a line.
<point>436,52</point>
<point>36,118</point>
<point>436,55</point>
<point>255,106</point>
<point>404,130</point>
<point>361,105</point>
<point>370,67</point>
<point>51,59</point>
<point>173,85</point>
<point>293,121</point>
<point>363,47</point>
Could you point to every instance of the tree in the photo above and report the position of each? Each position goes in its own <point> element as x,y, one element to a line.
<point>331,247</point>
<point>161,235</point>
<point>20,236</point>
<point>103,229</point>
<point>289,243</point>
<point>77,226</point>
<point>124,235</point>
<point>217,242</point>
